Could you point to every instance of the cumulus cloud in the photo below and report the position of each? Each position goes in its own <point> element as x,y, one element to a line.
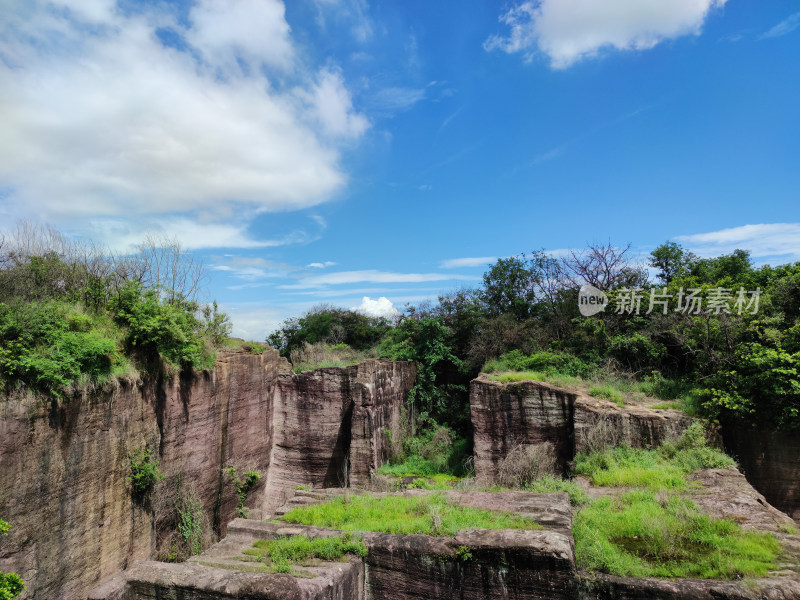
<point>100,119</point>
<point>762,240</point>
<point>382,307</point>
<point>570,30</point>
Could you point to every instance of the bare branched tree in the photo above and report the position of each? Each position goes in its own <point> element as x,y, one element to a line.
<point>604,266</point>
<point>164,264</point>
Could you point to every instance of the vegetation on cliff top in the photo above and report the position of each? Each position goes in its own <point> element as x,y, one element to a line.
<point>523,321</point>
<point>73,316</point>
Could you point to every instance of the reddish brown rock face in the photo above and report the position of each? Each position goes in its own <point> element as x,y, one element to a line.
<point>331,425</point>
<point>532,412</point>
<point>63,467</point>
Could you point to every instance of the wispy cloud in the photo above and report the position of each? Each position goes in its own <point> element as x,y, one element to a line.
<point>567,31</point>
<point>785,27</point>
<point>456,263</point>
<point>778,240</point>
<point>396,99</point>
<point>371,276</point>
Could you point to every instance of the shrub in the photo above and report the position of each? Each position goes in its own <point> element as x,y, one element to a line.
<point>144,470</point>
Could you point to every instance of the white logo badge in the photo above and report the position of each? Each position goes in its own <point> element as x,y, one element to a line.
<point>591,300</point>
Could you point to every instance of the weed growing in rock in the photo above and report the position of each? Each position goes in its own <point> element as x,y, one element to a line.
<point>144,470</point>
<point>643,534</point>
<point>431,515</point>
<point>242,487</point>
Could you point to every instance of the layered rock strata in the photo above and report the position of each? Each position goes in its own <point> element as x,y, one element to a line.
<point>63,465</point>
<point>505,415</point>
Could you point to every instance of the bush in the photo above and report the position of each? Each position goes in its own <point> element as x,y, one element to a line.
<point>144,470</point>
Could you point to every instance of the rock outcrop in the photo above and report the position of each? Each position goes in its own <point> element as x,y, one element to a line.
<point>531,412</point>
<point>770,461</point>
<point>332,425</point>
<point>534,564</point>
<point>63,465</point>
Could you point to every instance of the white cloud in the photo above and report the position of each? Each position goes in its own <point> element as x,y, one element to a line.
<point>788,25</point>
<point>371,276</point>
<point>332,107</point>
<point>762,240</point>
<point>99,119</point>
<point>321,265</point>
<point>478,261</point>
<point>382,307</point>
<point>570,30</point>
<point>254,31</point>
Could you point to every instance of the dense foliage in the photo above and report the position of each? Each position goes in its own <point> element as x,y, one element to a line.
<point>72,316</point>
<point>718,330</point>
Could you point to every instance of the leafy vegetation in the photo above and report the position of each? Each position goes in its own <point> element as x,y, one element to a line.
<point>72,317</point>
<point>642,534</point>
<point>434,453</point>
<point>11,584</point>
<point>280,554</point>
<point>242,487</point>
<point>431,514</point>
<point>144,470</point>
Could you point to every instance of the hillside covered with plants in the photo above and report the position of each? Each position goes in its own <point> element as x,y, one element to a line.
<point>73,316</point>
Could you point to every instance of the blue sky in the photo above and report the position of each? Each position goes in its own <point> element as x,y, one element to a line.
<point>332,150</point>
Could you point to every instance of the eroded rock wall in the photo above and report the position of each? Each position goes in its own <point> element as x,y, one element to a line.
<point>533,412</point>
<point>507,414</point>
<point>331,425</point>
<point>63,466</point>
<point>770,461</point>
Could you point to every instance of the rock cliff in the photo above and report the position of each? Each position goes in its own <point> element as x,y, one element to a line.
<point>63,465</point>
<point>532,412</point>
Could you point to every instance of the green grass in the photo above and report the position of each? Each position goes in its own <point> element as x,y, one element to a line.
<point>430,515</point>
<point>280,554</point>
<point>549,483</point>
<point>608,392</point>
<point>662,468</point>
<point>642,535</point>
